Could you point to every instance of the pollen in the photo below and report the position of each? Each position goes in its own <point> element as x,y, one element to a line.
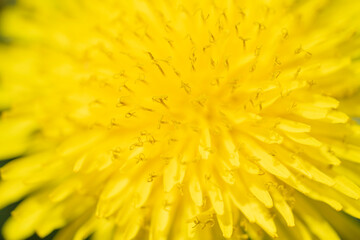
<point>180,120</point>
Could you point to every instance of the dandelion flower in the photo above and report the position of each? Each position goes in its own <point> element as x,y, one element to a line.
<point>180,119</point>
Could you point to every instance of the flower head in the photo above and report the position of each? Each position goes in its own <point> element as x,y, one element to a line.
<point>179,119</point>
